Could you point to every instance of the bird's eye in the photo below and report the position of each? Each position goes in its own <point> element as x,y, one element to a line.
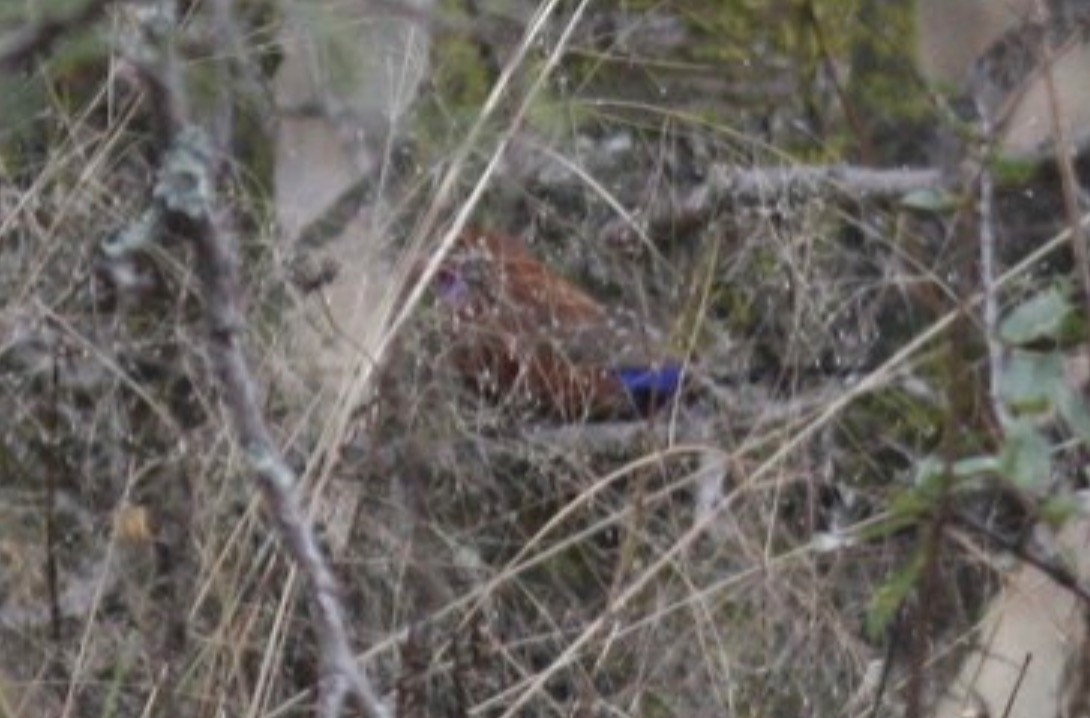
<point>450,286</point>
<point>444,278</point>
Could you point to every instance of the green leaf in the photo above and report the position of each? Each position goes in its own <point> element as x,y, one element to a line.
<point>1011,171</point>
<point>1041,317</point>
<point>1031,381</point>
<point>928,471</point>
<point>888,598</point>
<point>905,511</point>
<point>1058,510</point>
<point>1072,407</point>
<point>1026,459</point>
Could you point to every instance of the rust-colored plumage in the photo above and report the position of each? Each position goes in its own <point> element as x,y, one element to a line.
<point>522,333</point>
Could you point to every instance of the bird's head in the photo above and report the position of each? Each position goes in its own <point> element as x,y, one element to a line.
<point>474,270</point>
<point>452,285</point>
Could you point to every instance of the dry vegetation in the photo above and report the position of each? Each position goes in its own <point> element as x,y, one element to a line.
<point>802,534</point>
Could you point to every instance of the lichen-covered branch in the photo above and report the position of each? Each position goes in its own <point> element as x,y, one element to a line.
<point>186,194</point>
<point>187,205</point>
<point>729,185</point>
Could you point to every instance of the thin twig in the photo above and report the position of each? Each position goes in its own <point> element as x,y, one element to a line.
<point>1059,574</point>
<point>1017,686</point>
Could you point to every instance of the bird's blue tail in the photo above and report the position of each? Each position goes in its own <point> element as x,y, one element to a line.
<point>650,388</point>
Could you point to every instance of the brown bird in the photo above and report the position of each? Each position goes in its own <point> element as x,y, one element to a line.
<point>521,332</point>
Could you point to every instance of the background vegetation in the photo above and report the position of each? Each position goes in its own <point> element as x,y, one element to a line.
<point>812,530</point>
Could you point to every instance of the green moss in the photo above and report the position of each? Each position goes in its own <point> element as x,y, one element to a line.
<point>65,85</point>
<point>461,77</point>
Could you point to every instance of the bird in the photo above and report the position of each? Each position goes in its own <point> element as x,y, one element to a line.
<point>521,333</point>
